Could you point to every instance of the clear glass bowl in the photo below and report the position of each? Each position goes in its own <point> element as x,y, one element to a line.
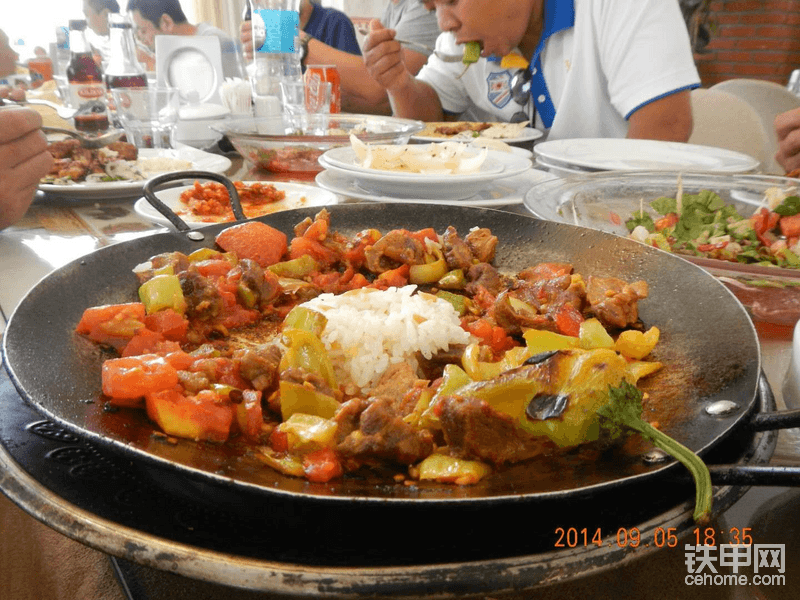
<point>293,143</point>
<point>605,200</point>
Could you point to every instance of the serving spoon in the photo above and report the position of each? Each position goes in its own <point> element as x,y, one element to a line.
<point>88,141</point>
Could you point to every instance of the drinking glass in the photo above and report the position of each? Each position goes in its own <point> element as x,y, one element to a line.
<point>148,115</point>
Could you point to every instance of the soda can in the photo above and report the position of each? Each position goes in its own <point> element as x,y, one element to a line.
<point>316,74</point>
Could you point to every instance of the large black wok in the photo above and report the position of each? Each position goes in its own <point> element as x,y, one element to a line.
<point>708,344</point>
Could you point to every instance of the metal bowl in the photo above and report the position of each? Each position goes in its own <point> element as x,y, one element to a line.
<point>292,143</point>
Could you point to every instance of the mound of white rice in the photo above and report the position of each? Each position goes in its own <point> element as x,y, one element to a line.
<point>368,330</point>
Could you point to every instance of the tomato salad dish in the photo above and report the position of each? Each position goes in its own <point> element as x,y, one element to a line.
<point>211,202</point>
<point>400,350</point>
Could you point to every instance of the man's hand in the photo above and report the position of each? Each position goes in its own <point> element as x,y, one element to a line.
<point>24,160</point>
<point>787,130</point>
<point>383,58</point>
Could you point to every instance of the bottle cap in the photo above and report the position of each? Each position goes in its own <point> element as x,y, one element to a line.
<point>77,24</point>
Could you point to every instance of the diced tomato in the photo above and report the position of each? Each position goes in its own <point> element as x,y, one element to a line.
<point>171,324</point>
<point>200,417</point>
<point>764,220</point>
<point>254,240</point>
<point>790,226</point>
<point>423,234</point>
<point>300,246</point>
<point>318,230</point>
<point>493,336</point>
<point>213,268</point>
<point>134,376</point>
<point>322,465</point>
<point>394,278</point>
<point>112,324</point>
<point>354,255</point>
<point>145,342</point>
<point>568,320</point>
<point>279,440</point>
<point>179,359</point>
<point>668,220</point>
<point>249,416</point>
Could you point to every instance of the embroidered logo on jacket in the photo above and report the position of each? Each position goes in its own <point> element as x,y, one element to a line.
<point>499,88</point>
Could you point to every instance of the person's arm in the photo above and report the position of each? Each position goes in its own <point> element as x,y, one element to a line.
<point>409,96</point>
<point>787,130</point>
<point>668,118</point>
<point>24,160</point>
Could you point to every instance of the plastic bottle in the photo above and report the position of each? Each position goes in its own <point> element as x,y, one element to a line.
<point>124,69</point>
<point>276,55</point>
<point>87,89</point>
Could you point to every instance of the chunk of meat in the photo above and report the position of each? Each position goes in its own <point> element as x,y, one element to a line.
<point>474,430</point>
<point>398,247</point>
<point>457,253</point>
<point>482,243</point>
<point>377,432</point>
<point>203,300</point>
<point>259,365</point>
<point>613,301</point>
<point>486,276</point>
<point>262,283</point>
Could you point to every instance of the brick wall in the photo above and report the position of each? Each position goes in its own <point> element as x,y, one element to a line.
<point>757,39</point>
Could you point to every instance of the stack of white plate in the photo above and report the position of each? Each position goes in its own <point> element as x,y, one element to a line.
<point>503,178</point>
<point>582,156</point>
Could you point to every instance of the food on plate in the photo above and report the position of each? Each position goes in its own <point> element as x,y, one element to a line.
<point>471,130</point>
<point>211,203</point>
<point>399,350</point>
<point>704,225</point>
<point>286,160</point>
<point>118,161</point>
<point>446,158</point>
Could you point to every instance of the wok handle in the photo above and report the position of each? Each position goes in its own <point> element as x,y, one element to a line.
<point>158,181</point>
<point>766,475</point>
<point>783,419</point>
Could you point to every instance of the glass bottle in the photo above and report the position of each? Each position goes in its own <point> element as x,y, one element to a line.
<point>123,69</point>
<point>276,55</point>
<point>87,90</point>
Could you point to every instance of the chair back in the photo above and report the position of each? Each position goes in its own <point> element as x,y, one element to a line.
<point>723,120</point>
<point>769,100</point>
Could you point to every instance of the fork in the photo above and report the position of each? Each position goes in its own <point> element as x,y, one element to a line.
<point>422,47</point>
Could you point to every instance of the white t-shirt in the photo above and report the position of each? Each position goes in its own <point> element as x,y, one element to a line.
<point>599,61</point>
<point>412,21</point>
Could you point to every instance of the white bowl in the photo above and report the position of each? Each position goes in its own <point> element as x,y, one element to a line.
<point>195,124</point>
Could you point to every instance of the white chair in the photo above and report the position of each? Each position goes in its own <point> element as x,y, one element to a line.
<point>769,100</point>
<point>723,120</point>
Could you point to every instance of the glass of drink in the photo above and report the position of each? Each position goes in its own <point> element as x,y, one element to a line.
<point>293,94</point>
<point>148,115</point>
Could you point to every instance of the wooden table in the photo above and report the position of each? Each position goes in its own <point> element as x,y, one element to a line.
<point>55,232</point>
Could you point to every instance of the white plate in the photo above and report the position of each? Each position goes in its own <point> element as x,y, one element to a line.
<point>298,195</point>
<point>191,63</point>
<point>344,157</point>
<point>509,190</point>
<point>528,134</point>
<point>201,161</point>
<point>637,155</point>
<point>560,170</point>
<point>442,187</point>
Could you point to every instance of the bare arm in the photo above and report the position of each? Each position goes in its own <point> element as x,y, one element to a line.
<point>410,97</point>
<point>787,130</point>
<point>23,161</point>
<point>668,118</point>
